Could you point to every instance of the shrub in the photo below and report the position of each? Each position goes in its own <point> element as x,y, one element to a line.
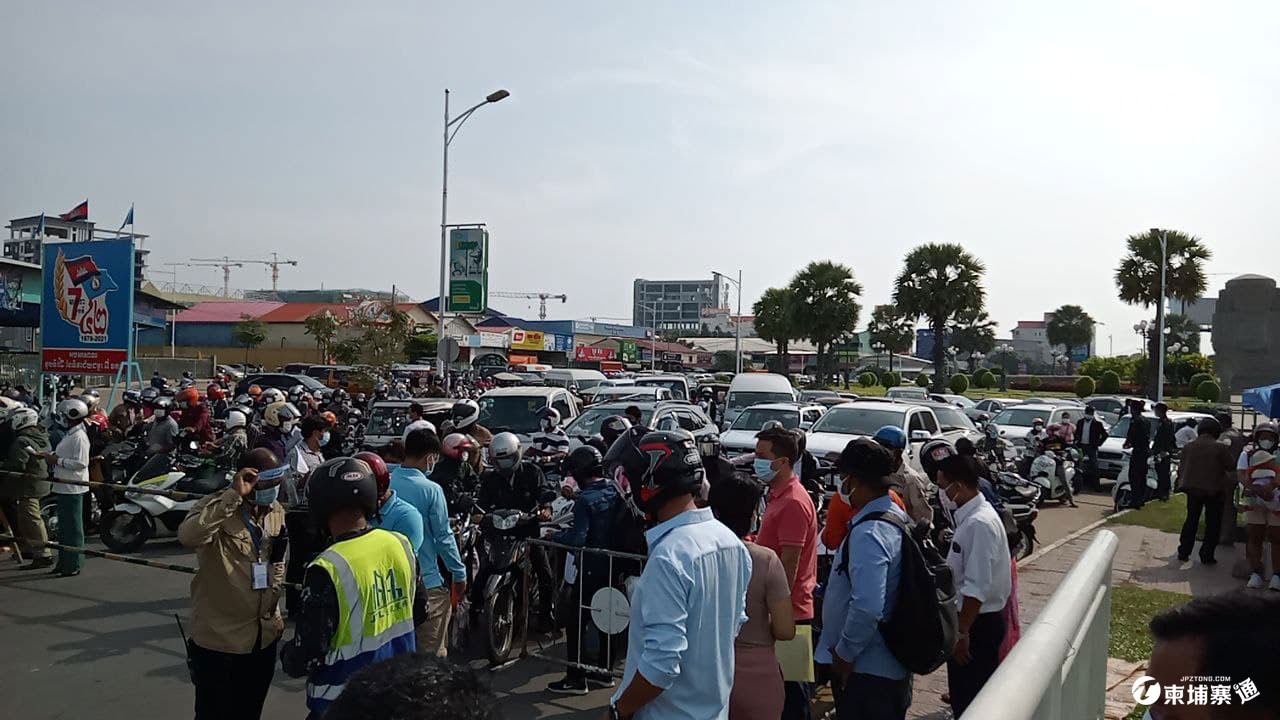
<point>959,384</point>
<point>1109,383</point>
<point>984,378</point>
<point>1196,380</point>
<point>1209,391</point>
<point>867,379</point>
<point>1085,386</point>
<point>923,380</point>
<point>890,378</point>
<point>1035,382</point>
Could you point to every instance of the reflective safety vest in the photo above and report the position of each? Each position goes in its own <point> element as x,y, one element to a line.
<point>373,575</point>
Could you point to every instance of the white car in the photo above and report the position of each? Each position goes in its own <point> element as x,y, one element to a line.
<point>842,423</point>
<point>1111,454</point>
<point>1015,422</point>
<point>741,436</point>
<point>514,409</point>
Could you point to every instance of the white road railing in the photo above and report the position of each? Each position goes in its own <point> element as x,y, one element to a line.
<point>1058,670</point>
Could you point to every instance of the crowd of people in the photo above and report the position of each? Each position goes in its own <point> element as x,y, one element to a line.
<point>359,549</point>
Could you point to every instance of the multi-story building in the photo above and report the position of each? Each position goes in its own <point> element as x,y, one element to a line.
<point>676,304</point>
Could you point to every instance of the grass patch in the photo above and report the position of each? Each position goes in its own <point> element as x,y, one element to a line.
<point>1132,608</point>
<point>1166,516</point>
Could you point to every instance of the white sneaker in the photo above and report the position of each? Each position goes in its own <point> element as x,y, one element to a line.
<point>1255,582</point>
<point>1275,582</point>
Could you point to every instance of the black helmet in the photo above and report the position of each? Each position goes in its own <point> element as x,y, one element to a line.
<point>612,427</point>
<point>464,414</point>
<point>709,446</point>
<point>672,467</point>
<point>584,463</point>
<point>933,453</point>
<point>1209,426</point>
<point>624,454</point>
<point>340,483</point>
<point>149,395</point>
<point>772,425</point>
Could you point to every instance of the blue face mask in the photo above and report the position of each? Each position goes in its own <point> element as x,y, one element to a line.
<point>764,469</point>
<point>266,496</point>
<point>324,439</point>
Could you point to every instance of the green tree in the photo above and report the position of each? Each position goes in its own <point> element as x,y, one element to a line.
<point>972,331</point>
<point>420,345</point>
<point>1138,276</point>
<point>322,326</point>
<point>775,321</point>
<point>1070,327</point>
<point>826,308</point>
<point>1209,391</point>
<point>1085,386</point>
<point>959,384</point>
<point>724,361</point>
<point>889,328</point>
<point>940,282</point>
<point>249,333</point>
<point>1180,330</point>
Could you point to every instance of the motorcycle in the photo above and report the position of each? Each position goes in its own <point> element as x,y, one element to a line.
<point>1021,497</point>
<point>1121,494</point>
<point>119,460</point>
<point>127,526</point>
<point>510,588</point>
<point>1053,470</point>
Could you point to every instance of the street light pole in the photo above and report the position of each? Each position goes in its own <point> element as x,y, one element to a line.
<point>441,301</point>
<point>1164,263</point>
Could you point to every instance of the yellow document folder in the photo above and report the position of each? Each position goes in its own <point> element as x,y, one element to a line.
<point>796,655</point>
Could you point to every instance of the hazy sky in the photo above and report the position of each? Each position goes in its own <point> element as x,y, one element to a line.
<point>657,139</point>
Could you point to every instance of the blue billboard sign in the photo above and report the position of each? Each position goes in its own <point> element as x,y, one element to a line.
<point>86,308</point>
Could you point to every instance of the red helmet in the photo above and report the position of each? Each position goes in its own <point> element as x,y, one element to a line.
<point>215,392</point>
<point>187,397</point>
<point>330,418</point>
<point>455,444</point>
<point>381,475</point>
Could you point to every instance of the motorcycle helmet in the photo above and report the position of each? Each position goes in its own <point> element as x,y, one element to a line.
<point>244,401</point>
<point>215,392</point>
<point>464,414</point>
<point>381,475</point>
<point>22,418</point>
<point>360,398</point>
<point>707,394</point>
<point>187,397</point>
<point>548,417</point>
<point>612,427</point>
<point>1209,426</point>
<point>132,397</point>
<point>162,406</point>
<point>235,419</point>
<point>1038,422</point>
<point>772,425</point>
<point>330,418</point>
<point>583,464</point>
<point>1266,428</point>
<point>186,375</point>
<point>91,398</point>
<point>457,446</point>
<point>892,437</point>
<point>254,391</point>
<point>341,483</point>
<point>709,446</point>
<point>273,395</point>
<point>983,417</point>
<point>933,453</point>
<point>673,467</point>
<point>73,410</point>
<point>624,456</point>
<point>149,395</point>
<point>505,451</point>
<point>280,415</point>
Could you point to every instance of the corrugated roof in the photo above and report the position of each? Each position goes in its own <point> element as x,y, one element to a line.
<point>225,312</point>
<point>299,312</point>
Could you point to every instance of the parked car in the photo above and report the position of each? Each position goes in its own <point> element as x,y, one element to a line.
<point>677,384</point>
<point>906,392</point>
<point>1111,455</point>
<point>388,418</point>
<point>352,378</point>
<point>750,389</point>
<point>282,381</point>
<point>232,372</point>
<point>1016,421</point>
<point>816,395</point>
<point>959,401</point>
<point>993,406</point>
<point>607,393</point>
<point>833,431</point>
<point>741,436</point>
<point>1109,407</point>
<point>659,414</point>
<point>578,378</point>
<point>831,402</point>
<point>514,409</point>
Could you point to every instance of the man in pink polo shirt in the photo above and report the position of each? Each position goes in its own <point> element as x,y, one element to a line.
<point>789,528</point>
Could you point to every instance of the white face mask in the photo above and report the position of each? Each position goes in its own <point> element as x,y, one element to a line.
<point>945,498</point>
<point>1267,444</point>
<point>845,495</point>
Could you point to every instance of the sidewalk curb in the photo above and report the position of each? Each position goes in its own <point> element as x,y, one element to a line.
<point>1045,550</point>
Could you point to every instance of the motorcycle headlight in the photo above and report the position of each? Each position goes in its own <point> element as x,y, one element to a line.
<point>504,522</point>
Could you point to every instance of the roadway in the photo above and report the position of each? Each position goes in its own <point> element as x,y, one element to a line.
<point>106,645</point>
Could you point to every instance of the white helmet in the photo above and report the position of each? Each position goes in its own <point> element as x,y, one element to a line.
<point>273,395</point>
<point>73,409</point>
<point>280,415</point>
<point>464,414</point>
<point>23,418</point>
<point>91,398</point>
<point>235,419</point>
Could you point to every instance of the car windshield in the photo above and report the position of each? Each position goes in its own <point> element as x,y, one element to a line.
<point>1121,428</point>
<point>676,387</point>
<point>755,418</point>
<point>1022,418</point>
<point>589,422</point>
<point>918,393</point>
<point>387,420</point>
<point>587,383</point>
<point>739,400</point>
<point>951,418</point>
<point>815,394</point>
<point>511,413</point>
<point>857,421</point>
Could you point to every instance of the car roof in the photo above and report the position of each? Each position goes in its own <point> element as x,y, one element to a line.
<point>931,404</point>
<point>523,391</point>
<point>1047,406</point>
<point>781,406</point>
<point>621,405</point>
<point>873,405</point>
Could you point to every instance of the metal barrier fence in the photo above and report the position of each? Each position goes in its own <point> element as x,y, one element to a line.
<point>1058,670</point>
<point>609,608</point>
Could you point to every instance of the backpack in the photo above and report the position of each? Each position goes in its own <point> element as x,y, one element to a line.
<point>922,626</point>
<point>628,527</point>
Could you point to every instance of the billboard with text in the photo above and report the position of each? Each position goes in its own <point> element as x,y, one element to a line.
<point>86,307</point>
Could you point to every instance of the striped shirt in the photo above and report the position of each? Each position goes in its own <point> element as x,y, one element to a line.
<point>551,443</point>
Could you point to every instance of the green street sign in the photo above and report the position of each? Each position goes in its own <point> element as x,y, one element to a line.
<point>468,270</point>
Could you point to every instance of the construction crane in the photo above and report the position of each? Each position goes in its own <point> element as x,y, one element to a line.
<point>542,298</point>
<point>226,272</point>
<point>275,262</point>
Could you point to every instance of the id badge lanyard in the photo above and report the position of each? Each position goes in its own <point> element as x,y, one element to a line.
<point>259,567</point>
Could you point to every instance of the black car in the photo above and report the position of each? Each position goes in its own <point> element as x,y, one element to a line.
<point>282,381</point>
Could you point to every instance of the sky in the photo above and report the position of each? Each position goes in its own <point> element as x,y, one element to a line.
<point>657,139</point>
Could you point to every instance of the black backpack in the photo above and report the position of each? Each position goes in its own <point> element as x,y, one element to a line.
<point>922,626</point>
<point>628,527</point>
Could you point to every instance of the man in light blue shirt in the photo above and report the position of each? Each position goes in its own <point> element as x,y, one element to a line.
<point>409,482</point>
<point>690,601</point>
<point>868,681</point>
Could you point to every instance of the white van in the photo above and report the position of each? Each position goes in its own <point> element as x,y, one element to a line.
<point>749,389</point>
<point>677,384</point>
<point>572,378</point>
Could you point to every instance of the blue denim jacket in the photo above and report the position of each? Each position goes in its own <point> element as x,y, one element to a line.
<point>593,512</point>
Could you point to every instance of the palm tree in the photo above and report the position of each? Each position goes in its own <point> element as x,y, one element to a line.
<point>973,331</point>
<point>775,320</point>
<point>1070,327</point>
<point>826,307</point>
<point>1138,276</point>
<point>939,282</point>
<point>889,328</point>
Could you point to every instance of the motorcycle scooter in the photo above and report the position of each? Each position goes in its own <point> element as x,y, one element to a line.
<point>1121,492</point>
<point>1052,471</point>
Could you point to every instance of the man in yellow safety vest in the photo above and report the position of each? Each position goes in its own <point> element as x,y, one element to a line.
<point>358,595</point>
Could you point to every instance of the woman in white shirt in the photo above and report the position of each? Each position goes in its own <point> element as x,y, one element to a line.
<point>70,462</point>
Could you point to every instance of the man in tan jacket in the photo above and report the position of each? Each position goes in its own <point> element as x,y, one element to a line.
<point>1206,474</point>
<point>240,542</point>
